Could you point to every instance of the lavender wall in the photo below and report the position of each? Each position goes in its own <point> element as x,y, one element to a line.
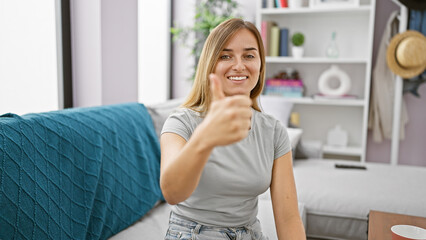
<point>412,149</point>
<point>104,51</point>
<point>119,31</point>
<point>86,52</point>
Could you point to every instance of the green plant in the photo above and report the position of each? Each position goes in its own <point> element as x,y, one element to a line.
<point>298,39</point>
<point>208,14</point>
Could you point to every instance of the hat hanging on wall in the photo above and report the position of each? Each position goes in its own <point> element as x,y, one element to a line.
<point>414,4</point>
<point>406,54</point>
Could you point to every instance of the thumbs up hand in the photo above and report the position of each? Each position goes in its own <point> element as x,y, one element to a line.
<point>216,88</point>
<point>229,118</point>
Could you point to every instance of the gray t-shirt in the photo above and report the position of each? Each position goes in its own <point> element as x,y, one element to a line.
<point>235,174</point>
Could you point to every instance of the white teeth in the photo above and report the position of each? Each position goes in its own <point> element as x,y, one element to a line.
<point>237,78</point>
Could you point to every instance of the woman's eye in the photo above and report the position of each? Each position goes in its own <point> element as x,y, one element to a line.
<point>249,56</point>
<point>225,57</point>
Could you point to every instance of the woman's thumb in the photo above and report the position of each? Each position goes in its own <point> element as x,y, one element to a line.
<point>216,87</point>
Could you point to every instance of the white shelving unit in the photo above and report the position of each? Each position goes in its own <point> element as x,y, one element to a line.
<point>313,60</point>
<point>354,26</point>
<point>403,18</point>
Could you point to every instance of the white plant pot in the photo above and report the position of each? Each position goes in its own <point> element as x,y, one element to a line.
<point>297,52</point>
<point>295,3</point>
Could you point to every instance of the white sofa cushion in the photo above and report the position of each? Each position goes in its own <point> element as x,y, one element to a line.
<point>151,226</point>
<point>338,201</point>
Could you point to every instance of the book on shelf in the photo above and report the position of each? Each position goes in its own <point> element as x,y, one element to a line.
<point>265,32</point>
<point>274,48</point>
<point>284,87</point>
<point>323,96</point>
<point>284,82</point>
<point>264,35</point>
<point>274,3</point>
<point>278,3</point>
<point>284,3</point>
<point>284,42</point>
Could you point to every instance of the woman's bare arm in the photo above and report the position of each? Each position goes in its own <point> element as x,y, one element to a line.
<point>284,200</point>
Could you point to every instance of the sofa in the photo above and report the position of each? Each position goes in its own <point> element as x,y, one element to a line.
<point>82,173</point>
<point>85,173</point>
<point>93,173</point>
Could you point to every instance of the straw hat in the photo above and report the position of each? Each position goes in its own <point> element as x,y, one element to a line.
<point>406,54</point>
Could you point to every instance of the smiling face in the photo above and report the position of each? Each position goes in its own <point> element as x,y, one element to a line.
<point>239,63</point>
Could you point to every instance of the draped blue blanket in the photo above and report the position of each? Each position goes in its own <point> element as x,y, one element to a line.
<point>84,173</point>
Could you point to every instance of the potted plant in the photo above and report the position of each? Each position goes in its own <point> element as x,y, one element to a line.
<point>208,14</point>
<point>297,40</point>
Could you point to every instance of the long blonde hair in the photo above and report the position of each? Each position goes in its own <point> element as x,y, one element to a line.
<point>199,98</point>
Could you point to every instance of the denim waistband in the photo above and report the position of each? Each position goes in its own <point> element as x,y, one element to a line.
<point>182,221</point>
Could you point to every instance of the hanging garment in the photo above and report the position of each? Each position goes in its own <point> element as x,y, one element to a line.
<point>417,22</point>
<point>383,90</point>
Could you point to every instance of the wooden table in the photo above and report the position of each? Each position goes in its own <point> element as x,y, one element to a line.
<point>380,223</point>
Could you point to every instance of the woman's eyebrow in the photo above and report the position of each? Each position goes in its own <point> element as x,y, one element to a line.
<point>245,49</point>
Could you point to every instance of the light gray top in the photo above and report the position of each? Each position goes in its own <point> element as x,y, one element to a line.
<point>235,174</point>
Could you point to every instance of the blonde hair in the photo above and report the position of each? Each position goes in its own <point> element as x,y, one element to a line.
<point>199,98</point>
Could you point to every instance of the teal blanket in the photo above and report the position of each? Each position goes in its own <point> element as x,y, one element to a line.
<point>83,173</point>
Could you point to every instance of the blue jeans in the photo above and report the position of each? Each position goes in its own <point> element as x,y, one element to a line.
<point>184,229</point>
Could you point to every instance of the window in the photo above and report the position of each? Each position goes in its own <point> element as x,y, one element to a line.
<point>28,57</point>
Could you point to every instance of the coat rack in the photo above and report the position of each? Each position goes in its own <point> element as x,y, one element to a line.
<point>403,20</point>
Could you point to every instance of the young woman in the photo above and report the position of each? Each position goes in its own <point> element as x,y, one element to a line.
<point>219,151</point>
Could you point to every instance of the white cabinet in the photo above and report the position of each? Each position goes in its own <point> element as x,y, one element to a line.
<point>354,27</point>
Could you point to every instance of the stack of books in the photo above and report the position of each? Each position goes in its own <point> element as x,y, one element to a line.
<point>274,3</point>
<point>292,88</point>
<point>323,96</point>
<point>275,39</point>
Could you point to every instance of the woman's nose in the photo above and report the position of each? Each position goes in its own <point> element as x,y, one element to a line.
<point>239,65</point>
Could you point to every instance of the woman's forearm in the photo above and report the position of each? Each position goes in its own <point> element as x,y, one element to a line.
<point>290,229</point>
<point>181,173</point>
<point>284,200</point>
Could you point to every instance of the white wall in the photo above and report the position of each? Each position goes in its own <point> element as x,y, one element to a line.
<point>28,57</point>
<point>183,62</point>
<point>154,50</point>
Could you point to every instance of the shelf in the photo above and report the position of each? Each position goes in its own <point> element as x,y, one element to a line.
<point>307,10</point>
<point>347,151</point>
<point>354,25</point>
<point>330,102</point>
<point>315,60</point>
